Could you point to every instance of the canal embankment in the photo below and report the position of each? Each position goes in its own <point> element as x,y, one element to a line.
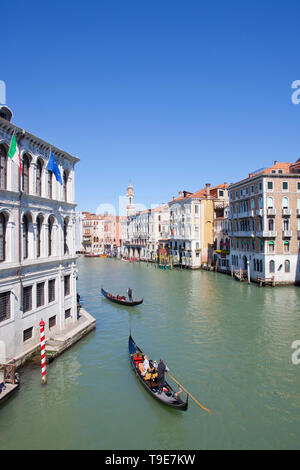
<point>59,341</point>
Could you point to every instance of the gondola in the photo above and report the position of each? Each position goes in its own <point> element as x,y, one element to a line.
<point>167,395</point>
<point>113,298</point>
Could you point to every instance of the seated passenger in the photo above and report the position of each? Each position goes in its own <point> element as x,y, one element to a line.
<point>141,369</point>
<point>146,363</point>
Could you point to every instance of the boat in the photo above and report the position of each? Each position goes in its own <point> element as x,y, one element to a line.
<point>121,300</point>
<point>167,396</point>
<point>91,255</point>
<point>9,383</point>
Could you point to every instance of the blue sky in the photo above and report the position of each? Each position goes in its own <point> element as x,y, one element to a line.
<point>168,94</point>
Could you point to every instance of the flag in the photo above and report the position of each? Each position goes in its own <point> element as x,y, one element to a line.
<point>52,166</point>
<point>14,152</point>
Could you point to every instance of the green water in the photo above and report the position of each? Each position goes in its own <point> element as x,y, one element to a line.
<point>227,342</point>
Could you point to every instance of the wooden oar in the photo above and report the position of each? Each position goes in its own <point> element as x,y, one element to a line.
<point>193,398</point>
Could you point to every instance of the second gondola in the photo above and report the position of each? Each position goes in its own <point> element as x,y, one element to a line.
<point>121,300</point>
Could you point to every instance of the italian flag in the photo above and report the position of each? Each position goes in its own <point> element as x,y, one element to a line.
<point>14,153</point>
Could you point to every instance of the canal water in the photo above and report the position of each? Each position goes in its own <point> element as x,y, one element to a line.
<point>227,342</point>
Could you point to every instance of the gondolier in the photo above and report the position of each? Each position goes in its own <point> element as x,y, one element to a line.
<point>129,293</point>
<point>161,369</point>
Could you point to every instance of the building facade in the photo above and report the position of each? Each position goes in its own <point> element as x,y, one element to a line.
<point>142,231</point>
<point>37,243</point>
<point>265,223</point>
<point>192,217</point>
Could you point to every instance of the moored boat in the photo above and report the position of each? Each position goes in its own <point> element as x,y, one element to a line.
<point>167,396</point>
<point>91,255</point>
<point>121,300</point>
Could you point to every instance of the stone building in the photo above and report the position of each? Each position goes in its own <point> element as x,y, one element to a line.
<point>141,231</point>
<point>192,217</point>
<point>265,223</point>
<point>37,243</point>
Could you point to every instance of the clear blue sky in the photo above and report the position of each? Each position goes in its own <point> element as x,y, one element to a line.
<point>168,94</point>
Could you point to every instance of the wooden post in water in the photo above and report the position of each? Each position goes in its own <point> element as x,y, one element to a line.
<point>248,271</point>
<point>43,352</point>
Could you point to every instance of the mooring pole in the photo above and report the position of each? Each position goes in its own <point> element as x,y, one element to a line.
<point>43,351</point>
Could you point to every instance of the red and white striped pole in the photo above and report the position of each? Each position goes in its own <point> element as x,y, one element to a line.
<point>43,351</point>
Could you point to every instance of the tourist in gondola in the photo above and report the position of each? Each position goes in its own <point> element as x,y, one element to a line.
<point>146,364</point>
<point>129,293</point>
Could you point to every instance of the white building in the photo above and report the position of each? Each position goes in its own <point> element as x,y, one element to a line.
<point>37,243</point>
<point>141,231</point>
<point>79,218</point>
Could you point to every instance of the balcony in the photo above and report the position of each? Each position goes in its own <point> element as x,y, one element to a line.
<point>298,212</point>
<point>269,234</point>
<point>298,234</point>
<point>271,211</point>
<point>242,233</point>
<point>259,212</point>
<point>286,211</point>
<point>286,233</point>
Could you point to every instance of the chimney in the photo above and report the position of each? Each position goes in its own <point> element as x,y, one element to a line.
<point>173,198</point>
<point>180,193</point>
<point>207,191</point>
<point>275,162</point>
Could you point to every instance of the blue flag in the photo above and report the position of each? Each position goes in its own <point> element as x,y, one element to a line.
<point>52,166</point>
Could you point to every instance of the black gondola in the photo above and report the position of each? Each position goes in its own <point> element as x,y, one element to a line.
<point>167,397</point>
<point>121,301</point>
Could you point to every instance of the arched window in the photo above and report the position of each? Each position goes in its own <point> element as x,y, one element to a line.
<point>66,248</point>
<point>286,224</point>
<point>65,185</point>
<point>49,184</point>
<point>50,235</point>
<point>286,246</point>
<point>39,169</point>
<point>25,236</point>
<point>2,237</point>
<point>287,266</point>
<point>39,223</point>
<point>272,266</point>
<point>270,202</point>
<point>271,247</point>
<point>25,174</point>
<point>3,167</point>
<point>285,202</point>
<point>271,224</point>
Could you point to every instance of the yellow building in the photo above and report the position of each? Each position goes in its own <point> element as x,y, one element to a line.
<point>192,218</point>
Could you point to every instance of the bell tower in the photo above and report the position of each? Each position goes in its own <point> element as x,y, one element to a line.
<point>130,200</point>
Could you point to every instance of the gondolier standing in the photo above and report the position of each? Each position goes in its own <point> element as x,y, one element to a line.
<point>161,369</point>
<point>129,293</point>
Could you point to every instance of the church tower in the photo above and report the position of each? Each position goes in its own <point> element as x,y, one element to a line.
<point>130,201</point>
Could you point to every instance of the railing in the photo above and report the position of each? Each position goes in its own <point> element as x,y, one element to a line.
<point>286,233</point>
<point>271,211</point>
<point>286,211</point>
